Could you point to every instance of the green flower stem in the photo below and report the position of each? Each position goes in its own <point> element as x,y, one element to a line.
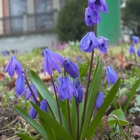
<point>37,102</point>
<point>89,76</point>
<point>68,104</point>
<point>51,110</point>
<point>77,106</point>
<point>56,101</point>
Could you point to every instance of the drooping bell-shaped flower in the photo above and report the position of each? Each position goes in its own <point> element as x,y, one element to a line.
<point>88,42</point>
<point>138,52</point>
<point>99,100</point>
<point>79,98</point>
<point>98,5</point>
<point>76,83</point>
<point>71,68</point>
<point>131,50</point>
<point>135,39</point>
<point>32,113</point>
<point>14,66</point>
<point>102,44</point>
<point>28,94</point>
<point>66,89</point>
<point>111,75</point>
<point>92,17</point>
<point>43,105</point>
<point>52,61</point>
<point>20,85</point>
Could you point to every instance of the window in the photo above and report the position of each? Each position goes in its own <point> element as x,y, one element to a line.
<point>44,19</point>
<point>43,6</point>
<point>17,9</point>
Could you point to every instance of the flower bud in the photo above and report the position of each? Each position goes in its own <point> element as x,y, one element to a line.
<point>79,98</point>
<point>131,50</point>
<point>32,113</point>
<point>76,83</point>
<point>111,75</point>
<point>20,85</point>
<point>135,39</point>
<point>71,68</point>
<point>99,100</point>
<point>43,105</point>
<point>138,52</point>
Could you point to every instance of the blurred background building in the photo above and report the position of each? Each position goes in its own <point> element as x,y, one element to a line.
<point>28,23</point>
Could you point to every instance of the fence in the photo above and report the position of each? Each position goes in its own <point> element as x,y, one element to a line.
<point>25,24</point>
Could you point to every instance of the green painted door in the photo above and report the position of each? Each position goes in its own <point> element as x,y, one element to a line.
<point>109,26</point>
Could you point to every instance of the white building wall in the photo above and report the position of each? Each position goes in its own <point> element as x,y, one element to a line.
<point>27,43</point>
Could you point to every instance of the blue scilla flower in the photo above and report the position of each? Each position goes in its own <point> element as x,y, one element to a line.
<point>99,100</point>
<point>14,66</point>
<point>51,60</point>
<point>32,113</point>
<point>135,39</point>
<point>88,42</point>
<point>43,105</point>
<point>111,75</point>
<point>102,44</point>
<point>98,5</point>
<point>131,50</point>
<point>65,89</point>
<point>28,92</point>
<point>79,98</point>
<point>76,83</point>
<point>91,17</point>
<point>138,52</point>
<point>71,68</point>
<point>20,85</point>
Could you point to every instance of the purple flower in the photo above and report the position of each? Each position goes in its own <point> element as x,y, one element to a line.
<point>28,92</point>
<point>76,83</point>
<point>135,39</point>
<point>98,5</point>
<point>5,53</point>
<point>102,44</point>
<point>79,59</point>
<point>51,60</point>
<point>99,100</point>
<point>131,50</point>
<point>138,52</point>
<point>43,105</point>
<point>14,66</point>
<point>111,75</point>
<point>32,113</point>
<point>88,42</point>
<point>66,89</point>
<point>92,17</point>
<point>71,68</point>
<point>20,85</point>
<point>79,98</point>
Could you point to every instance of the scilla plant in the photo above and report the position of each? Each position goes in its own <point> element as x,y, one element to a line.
<point>68,113</point>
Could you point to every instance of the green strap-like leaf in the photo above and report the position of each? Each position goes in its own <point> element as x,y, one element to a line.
<point>32,122</point>
<point>50,132</point>
<point>24,137</point>
<point>92,95</point>
<point>131,95</point>
<point>53,123</point>
<point>74,118</point>
<point>42,89</point>
<point>108,100</point>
